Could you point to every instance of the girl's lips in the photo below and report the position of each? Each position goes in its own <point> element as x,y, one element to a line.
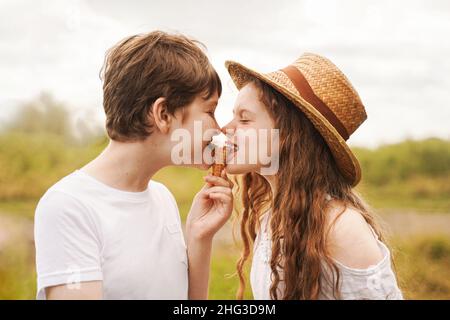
<point>231,149</point>
<point>233,146</point>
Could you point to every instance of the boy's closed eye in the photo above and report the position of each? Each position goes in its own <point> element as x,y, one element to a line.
<point>211,109</point>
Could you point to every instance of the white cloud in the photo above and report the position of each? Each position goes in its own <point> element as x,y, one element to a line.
<point>395,52</point>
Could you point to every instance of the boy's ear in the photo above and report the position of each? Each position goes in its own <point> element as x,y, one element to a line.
<point>161,116</point>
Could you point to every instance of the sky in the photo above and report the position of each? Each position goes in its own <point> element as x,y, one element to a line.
<point>395,53</point>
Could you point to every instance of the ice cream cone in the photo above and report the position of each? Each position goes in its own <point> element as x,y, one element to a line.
<point>219,161</point>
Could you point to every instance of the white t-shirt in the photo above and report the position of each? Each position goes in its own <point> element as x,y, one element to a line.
<point>131,241</point>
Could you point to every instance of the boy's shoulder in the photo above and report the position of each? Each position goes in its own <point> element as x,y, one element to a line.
<point>76,190</point>
<point>62,194</point>
<point>160,188</point>
<point>67,186</point>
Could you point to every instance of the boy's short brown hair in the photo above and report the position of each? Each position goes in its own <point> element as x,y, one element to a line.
<point>142,68</point>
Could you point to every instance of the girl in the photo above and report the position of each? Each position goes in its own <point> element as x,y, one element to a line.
<point>312,235</point>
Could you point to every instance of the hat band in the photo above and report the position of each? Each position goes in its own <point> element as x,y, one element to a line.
<point>306,92</point>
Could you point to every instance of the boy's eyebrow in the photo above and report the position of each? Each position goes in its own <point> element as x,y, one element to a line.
<point>213,103</point>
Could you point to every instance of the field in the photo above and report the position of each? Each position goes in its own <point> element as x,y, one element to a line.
<point>407,183</point>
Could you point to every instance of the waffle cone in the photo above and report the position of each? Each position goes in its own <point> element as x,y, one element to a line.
<point>219,162</point>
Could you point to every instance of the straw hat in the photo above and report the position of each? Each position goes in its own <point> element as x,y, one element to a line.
<point>325,95</point>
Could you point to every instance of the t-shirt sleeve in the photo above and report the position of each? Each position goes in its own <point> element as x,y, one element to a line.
<point>68,246</point>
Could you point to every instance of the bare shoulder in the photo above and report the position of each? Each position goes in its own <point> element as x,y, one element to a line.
<point>350,239</point>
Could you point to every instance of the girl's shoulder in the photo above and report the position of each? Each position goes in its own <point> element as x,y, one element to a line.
<point>350,239</point>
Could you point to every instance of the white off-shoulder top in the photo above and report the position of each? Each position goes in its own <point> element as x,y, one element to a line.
<point>377,282</point>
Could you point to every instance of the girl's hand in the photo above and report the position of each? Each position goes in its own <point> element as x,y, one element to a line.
<point>211,208</point>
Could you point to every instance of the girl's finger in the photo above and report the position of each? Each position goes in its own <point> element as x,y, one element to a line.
<point>206,186</point>
<point>220,196</point>
<point>217,181</point>
<point>220,189</point>
<point>224,175</point>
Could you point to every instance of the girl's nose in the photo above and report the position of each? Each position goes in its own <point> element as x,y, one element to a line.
<point>228,129</point>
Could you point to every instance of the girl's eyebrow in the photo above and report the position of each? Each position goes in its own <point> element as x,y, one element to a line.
<point>241,110</point>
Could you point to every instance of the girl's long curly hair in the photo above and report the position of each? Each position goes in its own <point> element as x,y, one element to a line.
<point>298,222</point>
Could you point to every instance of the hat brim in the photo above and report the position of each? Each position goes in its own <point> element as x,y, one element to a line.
<point>344,157</point>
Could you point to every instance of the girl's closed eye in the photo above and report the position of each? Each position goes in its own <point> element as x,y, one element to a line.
<point>244,116</point>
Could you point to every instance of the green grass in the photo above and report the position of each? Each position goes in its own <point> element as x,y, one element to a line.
<point>184,183</point>
<point>17,272</point>
<point>418,194</point>
<point>423,267</point>
<point>22,208</point>
<point>422,264</point>
<point>224,280</point>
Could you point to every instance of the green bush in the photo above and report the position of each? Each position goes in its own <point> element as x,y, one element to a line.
<point>405,160</point>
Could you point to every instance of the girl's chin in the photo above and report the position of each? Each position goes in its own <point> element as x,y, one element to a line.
<point>201,166</point>
<point>240,168</point>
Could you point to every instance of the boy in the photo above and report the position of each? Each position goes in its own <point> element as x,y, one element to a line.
<point>107,231</point>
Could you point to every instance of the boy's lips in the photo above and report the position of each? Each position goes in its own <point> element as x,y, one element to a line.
<point>230,149</point>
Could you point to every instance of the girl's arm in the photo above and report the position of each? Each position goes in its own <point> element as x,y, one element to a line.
<point>210,210</point>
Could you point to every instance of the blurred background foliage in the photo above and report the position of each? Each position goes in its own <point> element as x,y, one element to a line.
<point>407,184</point>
